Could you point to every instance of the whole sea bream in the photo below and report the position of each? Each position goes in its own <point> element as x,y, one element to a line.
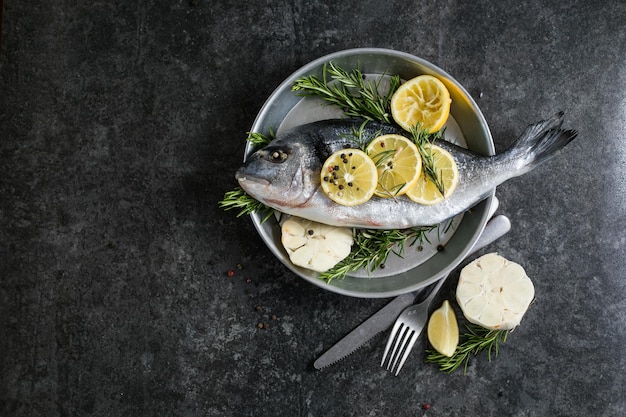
<point>285,175</point>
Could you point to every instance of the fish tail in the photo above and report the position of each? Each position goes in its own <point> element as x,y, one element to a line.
<point>540,142</point>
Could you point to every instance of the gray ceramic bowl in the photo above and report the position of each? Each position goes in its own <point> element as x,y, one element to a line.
<point>468,128</point>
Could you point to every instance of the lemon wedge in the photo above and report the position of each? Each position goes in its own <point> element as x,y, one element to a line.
<point>398,163</point>
<point>421,100</point>
<point>443,330</point>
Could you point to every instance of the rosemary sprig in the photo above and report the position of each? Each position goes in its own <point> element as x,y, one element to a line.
<point>356,96</point>
<point>421,138</point>
<point>359,137</point>
<point>239,199</point>
<point>371,248</point>
<point>259,139</point>
<point>477,340</point>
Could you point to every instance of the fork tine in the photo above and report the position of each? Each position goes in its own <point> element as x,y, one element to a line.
<point>394,331</point>
<point>398,348</point>
<point>408,349</point>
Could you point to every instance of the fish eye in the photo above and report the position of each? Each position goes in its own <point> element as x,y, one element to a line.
<point>277,156</point>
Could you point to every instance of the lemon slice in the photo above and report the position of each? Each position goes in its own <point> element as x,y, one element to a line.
<point>398,162</point>
<point>423,99</point>
<point>425,191</point>
<point>443,330</point>
<point>349,177</point>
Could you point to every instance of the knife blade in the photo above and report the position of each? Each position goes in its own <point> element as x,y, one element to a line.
<point>384,318</point>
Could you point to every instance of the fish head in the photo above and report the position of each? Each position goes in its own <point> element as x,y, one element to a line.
<point>283,174</point>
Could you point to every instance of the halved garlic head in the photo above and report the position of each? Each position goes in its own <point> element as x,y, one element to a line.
<point>494,292</point>
<point>315,245</point>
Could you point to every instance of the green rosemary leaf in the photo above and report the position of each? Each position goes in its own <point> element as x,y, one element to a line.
<point>350,91</point>
<point>475,341</point>
<point>383,157</point>
<point>421,138</point>
<point>371,249</point>
<point>239,199</point>
<point>259,139</point>
<point>359,137</point>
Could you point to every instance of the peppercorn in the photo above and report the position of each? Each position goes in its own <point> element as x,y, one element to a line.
<point>231,273</point>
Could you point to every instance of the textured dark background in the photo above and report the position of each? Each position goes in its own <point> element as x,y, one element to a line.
<point>121,126</point>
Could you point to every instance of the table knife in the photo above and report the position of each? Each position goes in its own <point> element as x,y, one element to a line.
<point>384,318</point>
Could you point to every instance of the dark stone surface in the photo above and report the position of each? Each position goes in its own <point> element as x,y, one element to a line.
<point>121,125</point>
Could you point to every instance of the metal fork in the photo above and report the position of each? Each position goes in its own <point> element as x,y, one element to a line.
<point>407,329</point>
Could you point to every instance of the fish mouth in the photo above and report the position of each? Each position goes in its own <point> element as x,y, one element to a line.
<point>244,179</point>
